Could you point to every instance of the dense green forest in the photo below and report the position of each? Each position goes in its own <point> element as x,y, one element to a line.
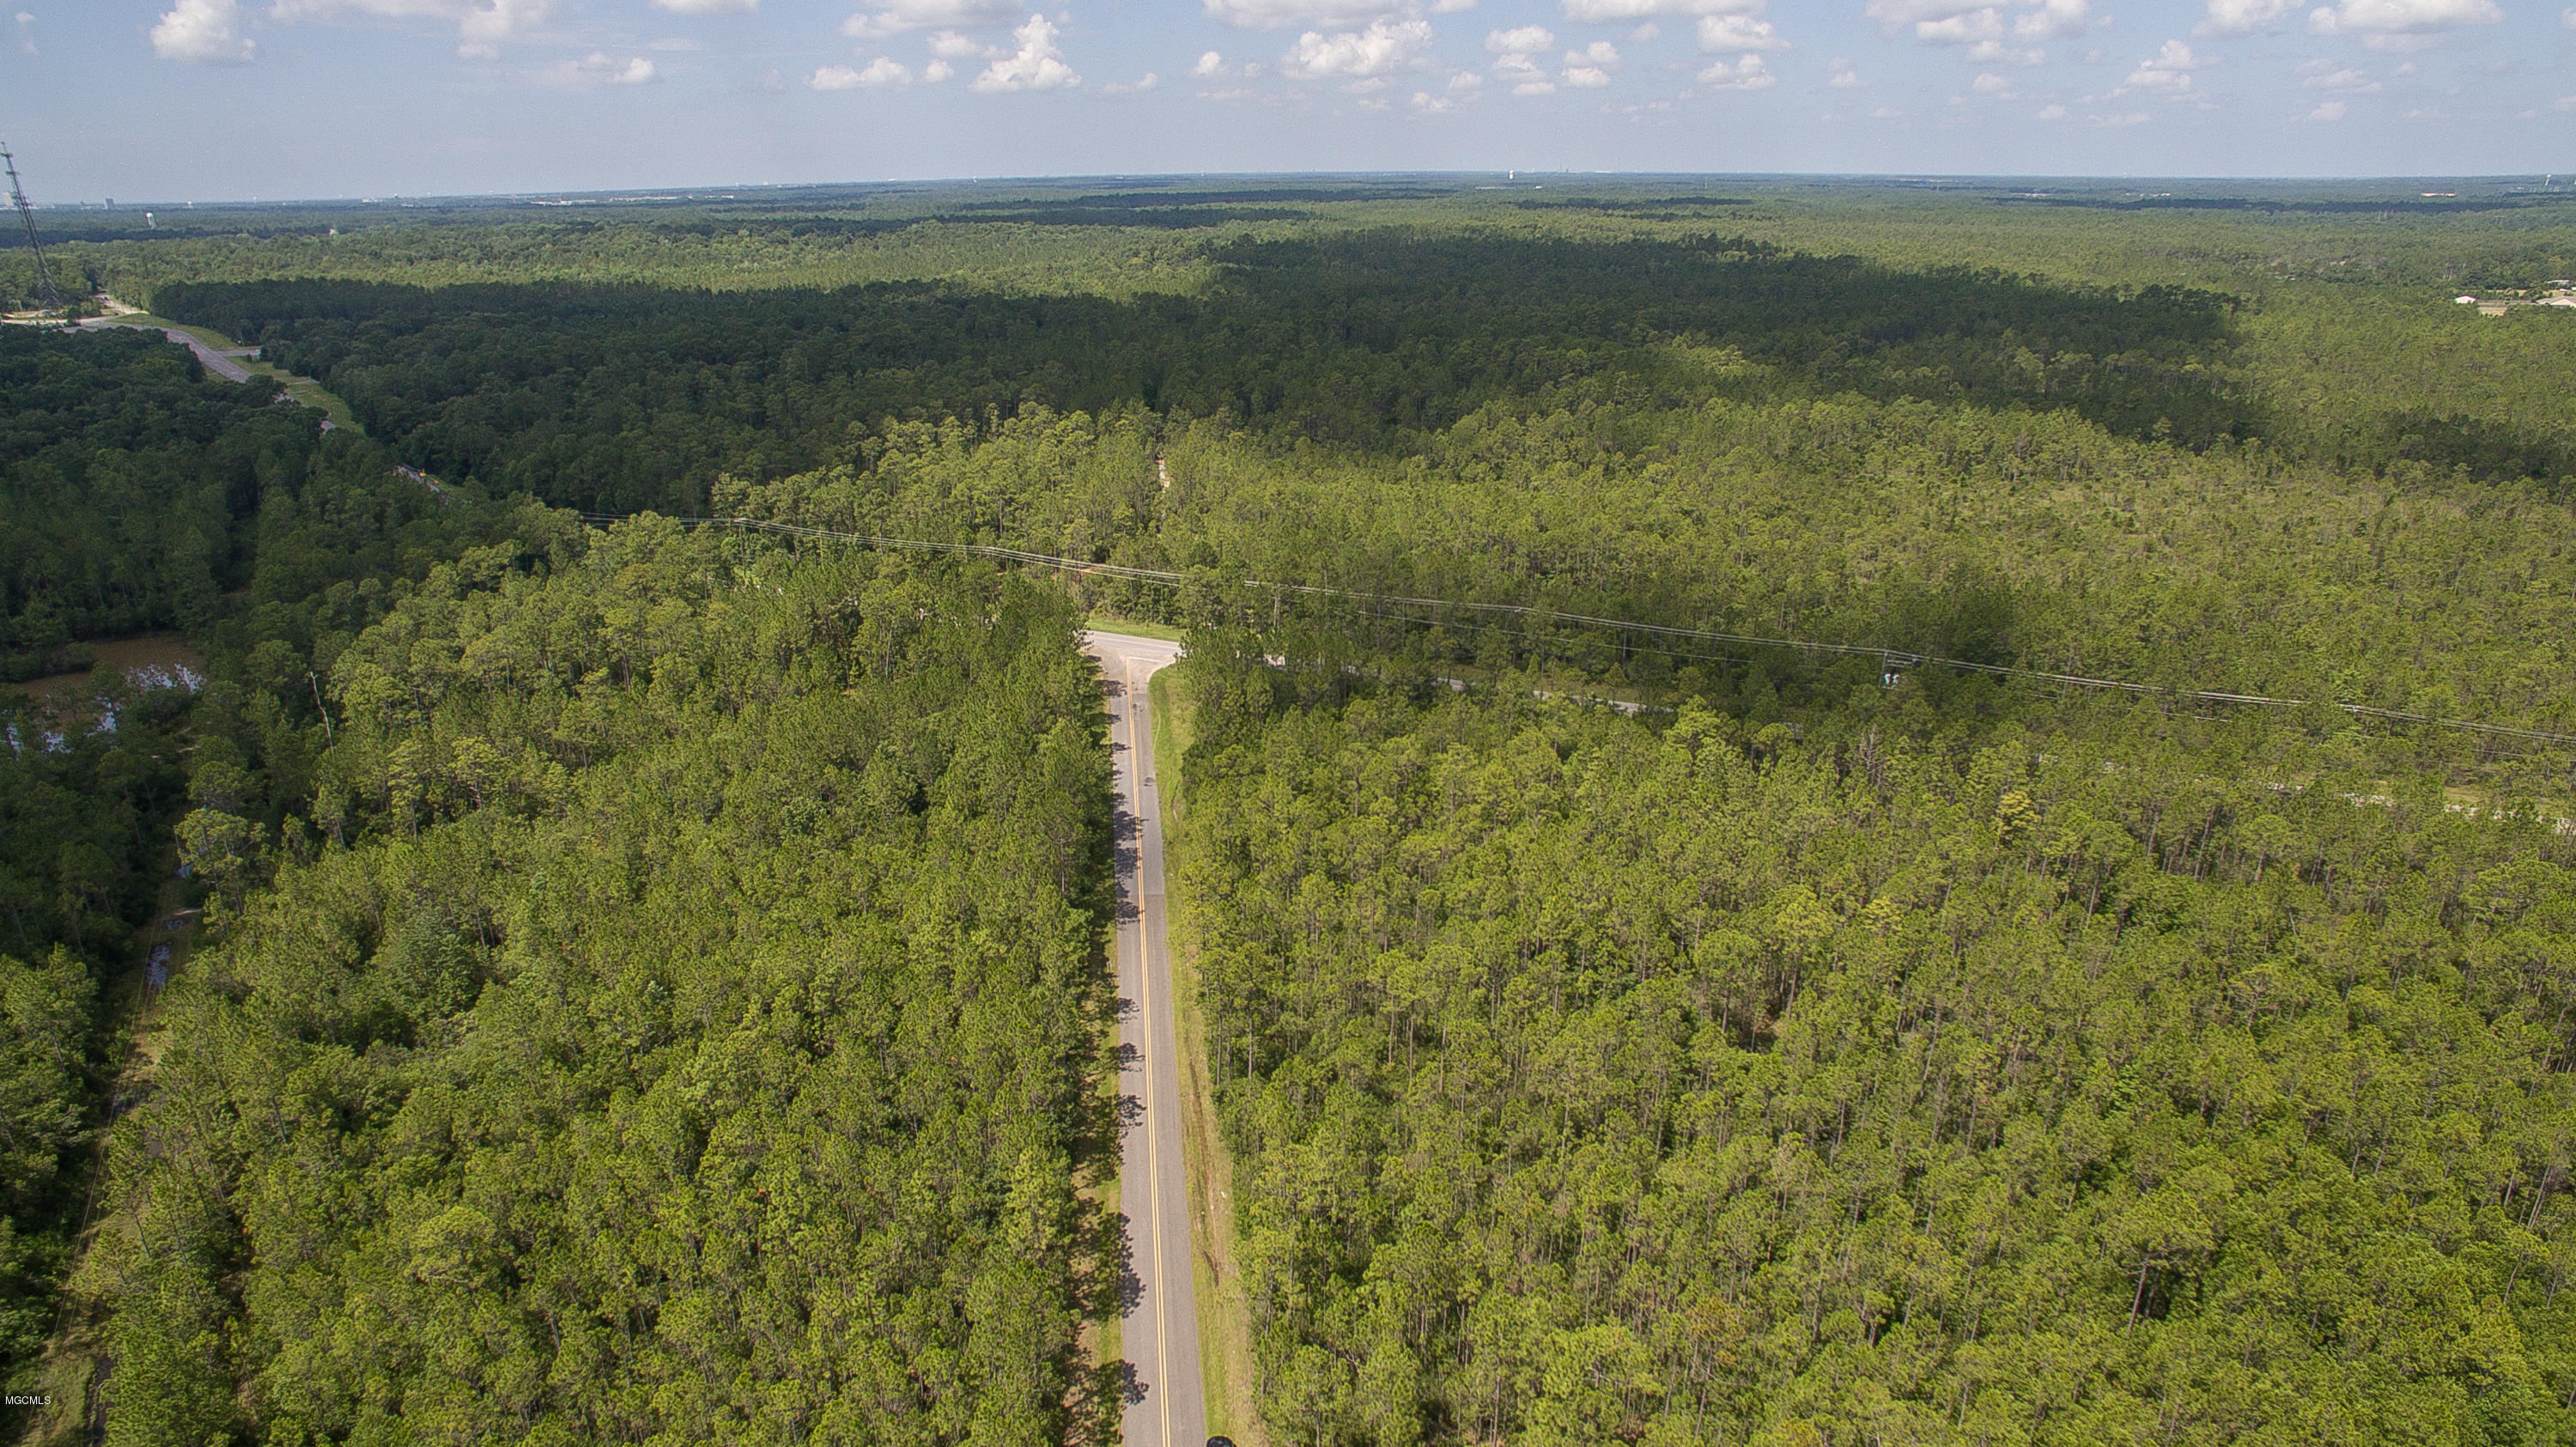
<point>652,982</point>
<point>1951,530</point>
<point>1591,1079</point>
<point>2339,293</point>
<point>625,398</point>
<point>631,396</point>
<point>693,1029</point>
<point>950,858</point>
<point>137,496</point>
<point>130,485</point>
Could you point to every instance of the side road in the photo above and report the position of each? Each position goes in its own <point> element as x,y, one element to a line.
<point>224,363</point>
<point>1161,1333</point>
<point>230,362</point>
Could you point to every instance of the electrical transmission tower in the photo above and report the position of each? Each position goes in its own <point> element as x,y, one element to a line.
<point>45,290</point>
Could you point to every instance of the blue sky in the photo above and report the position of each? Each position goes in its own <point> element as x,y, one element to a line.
<point>224,99</point>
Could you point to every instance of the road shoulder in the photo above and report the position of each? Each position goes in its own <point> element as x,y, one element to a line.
<point>1225,1322</point>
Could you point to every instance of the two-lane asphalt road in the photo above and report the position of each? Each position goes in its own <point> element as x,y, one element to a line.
<point>1162,1332</point>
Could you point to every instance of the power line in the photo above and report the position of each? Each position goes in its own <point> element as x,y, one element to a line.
<point>1892,658</point>
<point>45,290</point>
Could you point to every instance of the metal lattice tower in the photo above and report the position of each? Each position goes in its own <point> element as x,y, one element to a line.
<point>45,289</point>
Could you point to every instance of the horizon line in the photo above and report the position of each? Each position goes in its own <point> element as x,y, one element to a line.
<point>1961,179</point>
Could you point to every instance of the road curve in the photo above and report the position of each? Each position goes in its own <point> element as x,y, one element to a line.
<point>221,363</point>
<point>1162,1330</point>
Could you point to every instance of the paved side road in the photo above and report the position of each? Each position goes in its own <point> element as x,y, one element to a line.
<point>1162,1332</point>
<point>222,364</point>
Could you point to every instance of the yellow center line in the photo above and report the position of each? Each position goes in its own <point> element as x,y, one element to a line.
<point>1145,1006</point>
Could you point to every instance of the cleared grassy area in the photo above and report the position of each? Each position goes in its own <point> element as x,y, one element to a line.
<point>1225,1320</point>
<point>1112,623</point>
<point>309,393</point>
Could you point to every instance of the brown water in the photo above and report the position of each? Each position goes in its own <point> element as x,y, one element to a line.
<point>164,653</point>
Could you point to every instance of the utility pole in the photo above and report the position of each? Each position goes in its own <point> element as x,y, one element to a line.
<point>45,290</point>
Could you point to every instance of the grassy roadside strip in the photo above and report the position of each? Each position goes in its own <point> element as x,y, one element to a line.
<point>1113,623</point>
<point>1225,1319</point>
<point>1108,1337</point>
<point>306,391</point>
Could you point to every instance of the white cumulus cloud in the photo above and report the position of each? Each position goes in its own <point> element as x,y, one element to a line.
<point>1964,28</point>
<point>1844,77</point>
<point>1612,12</point>
<point>1349,15</point>
<point>2054,20</point>
<point>1748,73</point>
<point>2398,25</point>
<point>893,17</point>
<point>707,7</point>
<point>1737,32</point>
<point>1210,63</point>
<point>1590,68</point>
<point>1036,65</point>
<point>1992,33</point>
<point>599,68</point>
<point>2332,110</point>
<point>1383,47</point>
<point>1521,40</point>
<point>2168,70</point>
<point>2344,79</point>
<point>482,26</point>
<point>201,32</point>
<point>2244,17</point>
